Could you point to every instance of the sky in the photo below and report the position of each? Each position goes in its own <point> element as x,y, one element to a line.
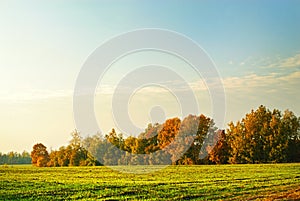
<point>255,46</point>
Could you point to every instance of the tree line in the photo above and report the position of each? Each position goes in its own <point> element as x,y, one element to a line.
<point>262,136</point>
<point>15,158</point>
<point>72,155</point>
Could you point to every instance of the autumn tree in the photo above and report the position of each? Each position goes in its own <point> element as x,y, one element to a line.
<point>263,136</point>
<point>115,139</point>
<point>236,138</point>
<point>220,152</point>
<point>76,140</point>
<point>39,155</point>
<point>166,137</point>
<point>168,132</point>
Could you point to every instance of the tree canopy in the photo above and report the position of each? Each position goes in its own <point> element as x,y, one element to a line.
<point>262,136</point>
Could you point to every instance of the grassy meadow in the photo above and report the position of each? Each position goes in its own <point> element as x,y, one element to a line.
<point>206,182</point>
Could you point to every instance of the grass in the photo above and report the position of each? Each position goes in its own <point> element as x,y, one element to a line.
<point>223,182</point>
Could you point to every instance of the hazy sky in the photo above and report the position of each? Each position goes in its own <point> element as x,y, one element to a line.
<point>43,45</point>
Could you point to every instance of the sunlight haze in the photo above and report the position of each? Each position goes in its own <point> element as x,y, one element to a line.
<point>254,44</point>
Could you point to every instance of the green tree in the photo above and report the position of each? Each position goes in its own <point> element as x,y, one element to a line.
<point>151,138</point>
<point>291,129</point>
<point>202,133</point>
<point>181,148</point>
<point>112,155</point>
<point>72,155</point>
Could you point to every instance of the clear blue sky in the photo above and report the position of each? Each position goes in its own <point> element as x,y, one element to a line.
<point>255,45</point>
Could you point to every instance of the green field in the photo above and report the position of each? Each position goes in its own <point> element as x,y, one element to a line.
<point>224,182</point>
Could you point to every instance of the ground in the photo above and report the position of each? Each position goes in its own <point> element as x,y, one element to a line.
<point>207,182</point>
